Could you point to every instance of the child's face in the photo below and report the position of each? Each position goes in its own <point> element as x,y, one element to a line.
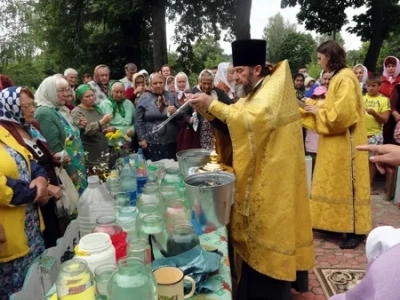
<point>373,88</point>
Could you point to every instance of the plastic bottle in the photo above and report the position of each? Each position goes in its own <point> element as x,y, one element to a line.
<point>127,179</point>
<point>141,170</point>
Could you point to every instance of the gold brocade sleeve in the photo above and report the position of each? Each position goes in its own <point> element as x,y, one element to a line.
<point>307,120</point>
<point>340,110</point>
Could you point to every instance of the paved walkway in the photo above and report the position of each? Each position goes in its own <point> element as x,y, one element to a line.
<point>328,253</point>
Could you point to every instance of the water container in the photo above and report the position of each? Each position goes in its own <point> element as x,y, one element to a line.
<point>141,170</point>
<point>127,179</point>
<point>95,202</point>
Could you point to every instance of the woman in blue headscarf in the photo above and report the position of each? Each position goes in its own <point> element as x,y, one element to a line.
<point>17,118</point>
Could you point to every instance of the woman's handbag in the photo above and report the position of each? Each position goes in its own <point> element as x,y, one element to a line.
<point>69,199</point>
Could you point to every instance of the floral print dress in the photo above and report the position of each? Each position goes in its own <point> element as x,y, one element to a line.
<point>74,148</point>
<point>12,273</point>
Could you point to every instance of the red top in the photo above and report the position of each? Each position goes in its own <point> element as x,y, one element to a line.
<point>387,87</point>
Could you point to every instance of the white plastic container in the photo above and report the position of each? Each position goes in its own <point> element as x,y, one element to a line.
<point>96,249</point>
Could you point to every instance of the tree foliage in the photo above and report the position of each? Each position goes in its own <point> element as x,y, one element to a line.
<point>274,32</point>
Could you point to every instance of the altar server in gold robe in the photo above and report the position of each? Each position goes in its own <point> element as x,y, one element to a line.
<point>270,221</point>
<point>340,195</point>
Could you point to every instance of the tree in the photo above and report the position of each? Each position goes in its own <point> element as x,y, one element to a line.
<point>274,32</point>
<point>298,48</point>
<point>242,19</point>
<point>326,37</point>
<point>375,25</point>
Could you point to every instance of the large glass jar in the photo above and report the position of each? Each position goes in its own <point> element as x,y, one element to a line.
<point>132,280</point>
<point>182,238</point>
<point>107,224</point>
<point>146,210</point>
<point>140,248</point>
<point>127,219</point>
<point>172,177</point>
<point>150,195</point>
<point>169,192</point>
<point>176,210</point>
<point>154,225</point>
<point>75,281</point>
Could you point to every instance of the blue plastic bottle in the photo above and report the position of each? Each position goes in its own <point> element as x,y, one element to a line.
<point>141,170</point>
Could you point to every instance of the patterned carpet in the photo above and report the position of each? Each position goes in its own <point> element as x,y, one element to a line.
<point>338,280</point>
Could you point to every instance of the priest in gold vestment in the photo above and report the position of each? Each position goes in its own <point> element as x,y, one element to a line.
<point>270,220</point>
<point>340,195</point>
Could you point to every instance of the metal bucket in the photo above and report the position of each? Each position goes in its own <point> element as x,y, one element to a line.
<point>211,195</point>
<point>188,159</point>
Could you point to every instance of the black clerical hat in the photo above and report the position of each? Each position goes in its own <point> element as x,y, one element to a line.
<point>249,53</point>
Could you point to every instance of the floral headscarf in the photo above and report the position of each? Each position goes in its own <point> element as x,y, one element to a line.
<point>81,91</point>
<point>116,106</point>
<point>10,110</point>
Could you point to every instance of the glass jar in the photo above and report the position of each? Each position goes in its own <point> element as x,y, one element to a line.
<point>152,173</point>
<point>112,182</point>
<point>182,238</point>
<point>169,192</point>
<point>153,225</point>
<point>140,248</point>
<point>150,195</point>
<point>176,210</point>
<point>161,170</point>
<point>172,177</point>
<point>146,210</point>
<point>75,280</point>
<point>102,275</point>
<point>122,199</point>
<point>127,219</point>
<point>152,184</point>
<point>107,224</point>
<point>132,280</point>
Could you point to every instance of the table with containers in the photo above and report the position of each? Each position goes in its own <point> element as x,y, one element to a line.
<point>152,230</point>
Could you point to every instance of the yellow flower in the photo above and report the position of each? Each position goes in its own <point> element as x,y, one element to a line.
<point>117,134</point>
<point>109,135</point>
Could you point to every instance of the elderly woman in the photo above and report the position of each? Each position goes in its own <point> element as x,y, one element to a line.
<point>206,128</point>
<point>153,108</point>
<point>166,71</point>
<point>26,132</point>
<point>340,195</point>
<point>134,92</point>
<point>188,136</point>
<point>58,126</point>
<point>92,136</point>
<point>99,84</point>
<point>224,79</point>
<point>23,188</point>
<point>122,111</point>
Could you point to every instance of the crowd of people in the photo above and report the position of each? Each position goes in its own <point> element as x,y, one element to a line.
<point>244,109</point>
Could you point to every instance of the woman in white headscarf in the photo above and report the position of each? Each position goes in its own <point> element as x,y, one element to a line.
<point>188,136</point>
<point>224,79</point>
<point>58,127</point>
<point>362,75</point>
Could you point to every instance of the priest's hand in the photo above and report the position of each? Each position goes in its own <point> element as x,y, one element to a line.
<point>312,109</point>
<point>201,101</point>
<point>384,156</point>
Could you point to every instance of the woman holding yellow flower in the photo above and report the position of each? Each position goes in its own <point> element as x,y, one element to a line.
<point>122,112</point>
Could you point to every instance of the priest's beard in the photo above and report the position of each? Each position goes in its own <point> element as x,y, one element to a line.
<point>243,90</point>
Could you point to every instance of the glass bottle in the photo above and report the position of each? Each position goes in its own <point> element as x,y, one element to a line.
<point>182,239</point>
<point>107,224</point>
<point>150,195</point>
<point>141,170</point>
<point>132,280</point>
<point>152,173</point>
<point>175,210</point>
<point>75,281</point>
<point>112,182</point>
<point>172,177</point>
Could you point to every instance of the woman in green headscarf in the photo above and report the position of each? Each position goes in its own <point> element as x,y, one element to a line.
<point>93,135</point>
<point>122,110</point>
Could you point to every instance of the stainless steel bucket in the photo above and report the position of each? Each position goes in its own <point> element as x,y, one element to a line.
<point>192,158</point>
<point>211,195</point>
